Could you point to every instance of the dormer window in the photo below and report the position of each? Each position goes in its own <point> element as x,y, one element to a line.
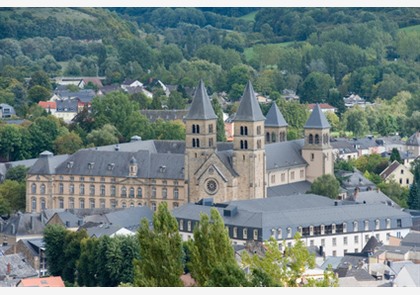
<point>162,169</point>
<point>90,165</point>
<point>111,166</point>
<point>70,164</point>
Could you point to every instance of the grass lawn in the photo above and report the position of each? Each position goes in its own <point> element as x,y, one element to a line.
<point>250,16</point>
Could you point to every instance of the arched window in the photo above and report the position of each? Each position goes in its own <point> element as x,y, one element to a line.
<point>193,128</point>
<point>279,234</point>
<point>245,233</point>
<point>273,137</point>
<point>316,138</point>
<point>33,188</point>
<point>92,189</point>
<point>197,142</point>
<point>123,192</point>
<point>33,202</point>
<point>82,189</point>
<point>42,189</point>
<point>246,130</point>
<point>197,128</point>
<point>60,188</point>
<point>139,192</point>
<point>131,192</point>
<point>102,189</point>
<point>377,224</point>
<point>267,137</point>
<point>355,226</point>
<point>43,204</point>
<point>113,191</point>
<point>311,139</point>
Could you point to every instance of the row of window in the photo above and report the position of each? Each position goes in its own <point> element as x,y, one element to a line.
<point>195,128</point>
<point>93,179</point>
<point>316,139</point>
<point>283,176</point>
<point>92,204</point>
<point>244,144</point>
<point>243,130</point>
<point>196,142</point>
<point>124,193</point>
<point>272,137</point>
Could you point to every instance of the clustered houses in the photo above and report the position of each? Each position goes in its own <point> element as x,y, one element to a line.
<point>145,173</point>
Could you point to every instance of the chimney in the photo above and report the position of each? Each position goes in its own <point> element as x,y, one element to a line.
<point>9,269</point>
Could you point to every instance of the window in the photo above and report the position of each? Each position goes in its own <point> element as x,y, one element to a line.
<point>366,225</point>
<point>189,225</point>
<point>102,190</point>
<point>124,205</point>
<point>153,206</point>
<point>312,156</point>
<point>245,233</point>
<point>334,241</point>
<point>377,237</point>
<point>356,239</point>
<point>273,233</point>
<point>176,194</point>
<point>235,232</point>
<point>402,171</point>
<point>131,192</point>
<point>312,243</point>
<point>244,144</point>
<point>333,228</point>
<point>82,178</point>
<point>181,224</point>
<point>164,193</point>
<point>322,229</point>
<point>355,226</point>
<point>33,204</point>
<point>255,234</point>
<point>258,130</point>
<point>273,178</point>
<point>344,227</point>
<point>311,139</point>
<point>43,205</point>
<point>210,128</point>
<point>139,192</point>
<point>33,188</point>
<point>244,130</point>
<point>42,189</point>
<point>377,224</point>
<point>292,175</point>
<point>345,241</point>
<point>82,189</point>
<point>334,253</point>
<point>388,223</point>
<point>71,189</point>
<point>210,142</point>
<point>176,205</point>
<point>154,192</point>
<point>92,179</point>
<point>399,224</point>
<point>61,203</point>
<point>123,192</point>
<point>299,229</point>
<point>311,230</point>
<point>92,189</point>
<point>113,204</point>
<point>113,191</point>
<point>302,173</point>
<point>258,143</point>
<point>61,188</point>
<point>82,203</point>
<point>102,204</point>
<point>323,242</point>
<point>316,138</point>
<point>92,203</point>
<point>71,203</point>
<point>366,238</point>
<point>289,232</point>
<point>279,234</point>
<point>283,177</point>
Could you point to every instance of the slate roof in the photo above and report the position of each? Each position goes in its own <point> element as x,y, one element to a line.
<point>166,115</point>
<point>249,109</point>
<point>274,117</point>
<point>414,139</point>
<point>411,239</point>
<point>301,187</point>
<point>85,95</point>
<point>67,105</point>
<point>23,224</point>
<point>19,267</point>
<point>375,197</point>
<point>106,230</point>
<point>201,107</point>
<point>296,210</point>
<point>47,163</point>
<point>317,119</point>
<point>284,154</point>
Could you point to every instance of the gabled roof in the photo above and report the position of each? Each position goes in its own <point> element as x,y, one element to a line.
<point>249,109</point>
<point>274,117</point>
<point>317,119</point>
<point>19,268</point>
<point>47,104</point>
<point>414,139</point>
<point>390,169</point>
<point>201,108</point>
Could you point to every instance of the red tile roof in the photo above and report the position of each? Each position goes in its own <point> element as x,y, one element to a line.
<point>42,282</point>
<point>322,106</point>
<point>47,104</point>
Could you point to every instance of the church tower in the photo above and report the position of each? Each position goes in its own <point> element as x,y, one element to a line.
<point>200,125</point>
<point>275,125</point>
<point>248,146</point>
<point>317,150</point>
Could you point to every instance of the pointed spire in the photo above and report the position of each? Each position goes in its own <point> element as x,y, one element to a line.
<point>249,109</point>
<point>274,117</point>
<point>201,108</point>
<point>317,119</point>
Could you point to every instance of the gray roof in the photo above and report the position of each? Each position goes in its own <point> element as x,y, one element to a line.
<point>300,187</point>
<point>103,230</point>
<point>344,146</point>
<point>84,95</point>
<point>67,105</point>
<point>47,163</point>
<point>130,218</point>
<point>411,239</point>
<point>24,224</point>
<point>19,267</point>
<point>317,119</point>
<point>297,210</point>
<point>249,109</point>
<point>414,139</point>
<point>375,197</point>
<point>284,154</point>
<point>69,219</point>
<point>167,115</point>
<point>201,107</point>
<point>274,117</point>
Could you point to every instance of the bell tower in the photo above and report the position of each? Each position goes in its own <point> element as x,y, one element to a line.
<point>317,150</point>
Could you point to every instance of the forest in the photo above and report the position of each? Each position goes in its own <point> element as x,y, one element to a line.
<point>322,54</point>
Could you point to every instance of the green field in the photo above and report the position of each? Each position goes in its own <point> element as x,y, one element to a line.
<point>249,52</point>
<point>250,17</point>
<point>44,12</point>
<point>411,29</point>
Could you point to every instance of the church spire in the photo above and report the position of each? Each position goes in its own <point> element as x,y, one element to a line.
<point>317,119</point>
<point>201,107</point>
<point>274,117</point>
<point>249,109</point>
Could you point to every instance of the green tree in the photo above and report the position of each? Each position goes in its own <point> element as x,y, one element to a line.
<point>106,135</point>
<point>71,253</point>
<point>38,93</point>
<point>211,251</point>
<point>40,78</point>
<point>326,185</point>
<point>54,236</point>
<point>315,87</point>
<point>176,101</point>
<point>355,120</point>
<point>17,173</point>
<point>395,156</point>
<point>413,200</point>
<point>395,192</point>
<point>67,144</point>
<point>170,130</point>
<point>10,142</point>
<point>86,267</point>
<point>160,262</point>
<point>14,194</point>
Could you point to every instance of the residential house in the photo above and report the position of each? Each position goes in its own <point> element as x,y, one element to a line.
<point>49,106</point>
<point>413,144</point>
<point>6,111</point>
<point>13,268</point>
<point>131,83</point>
<point>5,166</point>
<point>398,173</point>
<point>41,282</point>
<point>21,226</point>
<point>290,95</point>
<point>354,182</point>
<point>409,276</point>
<point>325,107</point>
<point>343,149</point>
<point>33,250</point>
<point>353,100</point>
<point>67,109</point>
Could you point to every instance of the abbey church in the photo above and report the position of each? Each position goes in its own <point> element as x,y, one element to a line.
<point>147,172</point>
